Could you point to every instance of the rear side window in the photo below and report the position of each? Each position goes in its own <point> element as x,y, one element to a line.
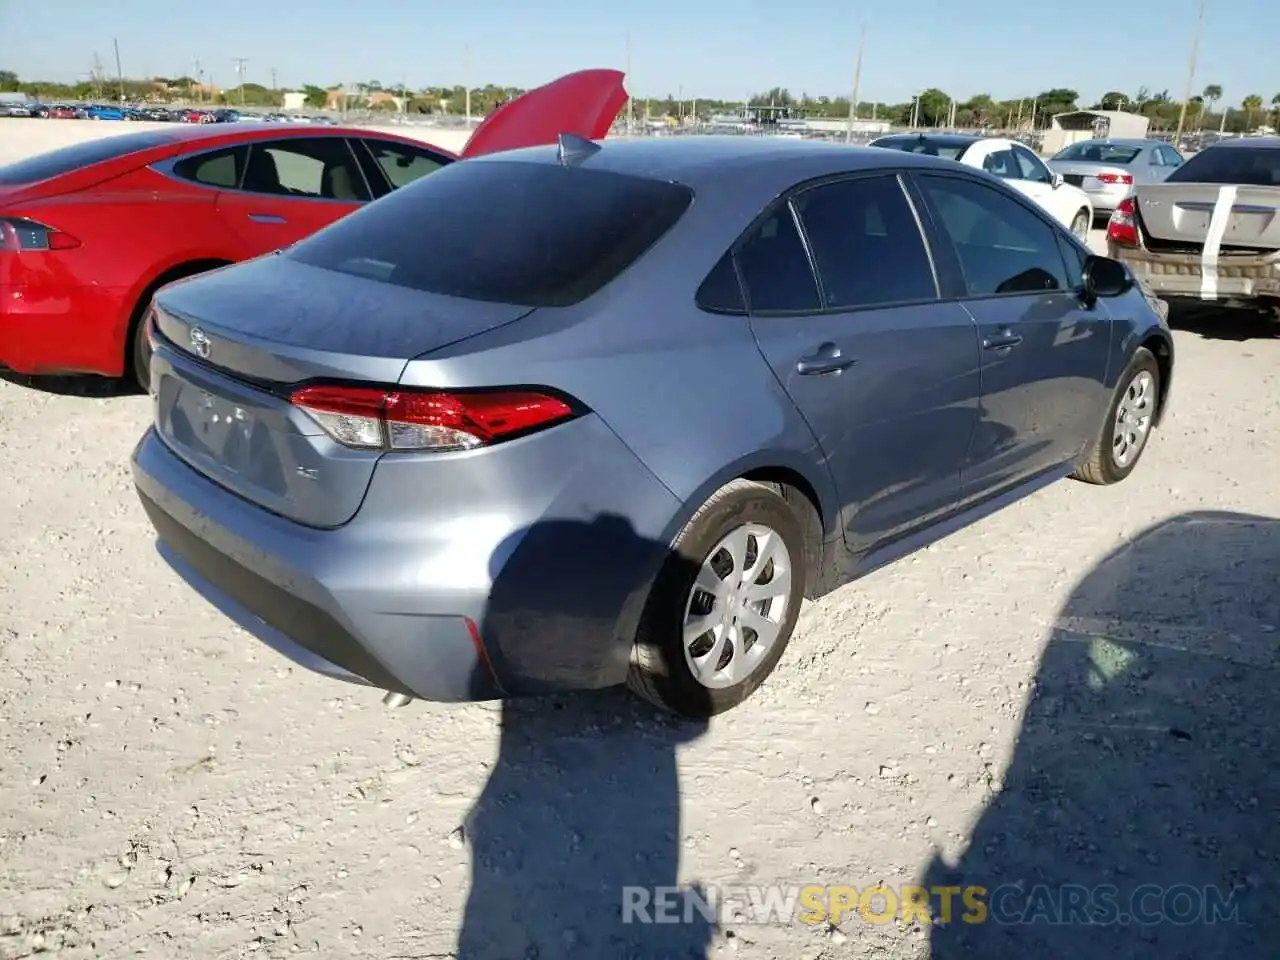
<point>866,242</point>
<point>1251,166</point>
<point>66,159</point>
<point>775,267</point>
<point>531,234</point>
<point>222,168</point>
<point>401,164</point>
<point>721,292</point>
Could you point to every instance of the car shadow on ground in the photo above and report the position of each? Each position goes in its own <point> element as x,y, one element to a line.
<point>73,386</point>
<point>583,800</point>
<point>1140,814</point>
<point>1223,323</point>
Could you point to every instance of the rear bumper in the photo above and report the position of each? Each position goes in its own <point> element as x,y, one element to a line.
<point>533,595</point>
<point>1106,198</point>
<point>1182,275</point>
<point>70,331</point>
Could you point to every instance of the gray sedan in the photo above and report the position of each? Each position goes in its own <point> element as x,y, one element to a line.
<point>1108,170</point>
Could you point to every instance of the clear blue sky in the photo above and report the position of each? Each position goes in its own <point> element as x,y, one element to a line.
<point>715,48</point>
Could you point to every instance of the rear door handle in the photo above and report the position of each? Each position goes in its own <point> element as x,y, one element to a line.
<point>1004,340</point>
<point>828,359</point>
<point>266,218</point>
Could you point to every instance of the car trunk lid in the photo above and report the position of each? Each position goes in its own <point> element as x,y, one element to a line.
<point>1091,175</point>
<point>1248,217</point>
<point>584,103</point>
<point>232,343</point>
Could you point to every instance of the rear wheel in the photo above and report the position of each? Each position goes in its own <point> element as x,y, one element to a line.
<point>1128,424</point>
<point>724,607</point>
<point>140,349</point>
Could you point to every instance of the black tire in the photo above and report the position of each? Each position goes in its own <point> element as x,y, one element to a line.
<point>659,670</point>
<point>1099,465</point>
<point>140,350</point>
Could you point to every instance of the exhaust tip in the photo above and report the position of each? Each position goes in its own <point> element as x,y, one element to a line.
<point>393,699</point>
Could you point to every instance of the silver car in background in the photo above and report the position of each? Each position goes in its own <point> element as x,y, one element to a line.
<point>1108,170</point>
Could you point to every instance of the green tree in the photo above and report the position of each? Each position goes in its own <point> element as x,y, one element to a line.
<point>1113,100</point>
<point>1252,104</point>
<point>315,97</point>
<point>1275,111</point>
<point>8,81</point>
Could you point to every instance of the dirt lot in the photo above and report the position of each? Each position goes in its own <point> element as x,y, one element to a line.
<point>1079,690</point>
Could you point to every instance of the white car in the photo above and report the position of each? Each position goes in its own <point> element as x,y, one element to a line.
<point>1010,161</point>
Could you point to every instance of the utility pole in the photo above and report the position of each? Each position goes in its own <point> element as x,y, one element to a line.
<point>119,73</point>
<point>630,91</point>
<point>96,75</point>
<point>242,71</point>
<point>857,78</point>
<point>466,78</point>
<point>1191,74</point>
<point>199,82</point>
<point>273,79</point>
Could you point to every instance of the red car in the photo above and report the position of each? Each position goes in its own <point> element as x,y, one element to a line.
<point>90,232</point>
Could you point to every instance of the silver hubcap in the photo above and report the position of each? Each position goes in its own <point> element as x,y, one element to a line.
<point>737,606</point>
<point>1133,419</point>
<point>1081,227</point>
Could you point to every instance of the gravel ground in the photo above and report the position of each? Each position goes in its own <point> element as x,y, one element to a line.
<point>1078,690</point>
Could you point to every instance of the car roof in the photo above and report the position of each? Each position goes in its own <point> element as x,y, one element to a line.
<point>702,160</point>
<point>194,133</point>
<point>1265,143</point>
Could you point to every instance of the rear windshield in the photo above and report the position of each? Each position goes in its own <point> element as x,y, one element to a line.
<point>928,148</point>
<point>532,234</point>
<point>1098,153</point>
<point>1253,166</point>
<point>65,159</point>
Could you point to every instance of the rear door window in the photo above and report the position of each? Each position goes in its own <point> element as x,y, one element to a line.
<point>66,159</point>
<point>316,168</point>
<point>866,242</point>
<point>221,168</point>
<point>775,267</point>
<point>531,234</point>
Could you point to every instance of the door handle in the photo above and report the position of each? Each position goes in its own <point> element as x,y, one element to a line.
<point>1005,340</point>
<point>266,218</point>
<point>828,359</point>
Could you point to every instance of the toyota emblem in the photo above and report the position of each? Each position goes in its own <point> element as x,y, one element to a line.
<point>200,343</point>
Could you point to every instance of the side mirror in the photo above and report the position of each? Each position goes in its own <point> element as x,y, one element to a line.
<point>1058,180</point>
<point>1104,277</point>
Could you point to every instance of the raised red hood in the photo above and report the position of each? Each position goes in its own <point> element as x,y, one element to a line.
<point>584,103</point>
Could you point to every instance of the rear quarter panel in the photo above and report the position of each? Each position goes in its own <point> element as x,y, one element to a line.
<point>132,230</point>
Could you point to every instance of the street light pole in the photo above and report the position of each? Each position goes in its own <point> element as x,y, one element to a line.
<point>857,77</point>
<point>1191,75</point>
<point>242,71</point>
<point>119,72</point>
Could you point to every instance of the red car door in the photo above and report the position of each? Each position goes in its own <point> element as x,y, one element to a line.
<point>291,188</point>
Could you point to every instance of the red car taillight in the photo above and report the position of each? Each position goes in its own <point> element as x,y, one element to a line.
<point>427,420</point>
<point>1122,228</point>
<point>19,235</point>
<point>1124,178</point>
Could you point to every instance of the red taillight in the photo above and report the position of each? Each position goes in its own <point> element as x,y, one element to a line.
<point>1124,178</point>
<point>1122,228</point>
<point>429,420</point>
<point>19,235</point>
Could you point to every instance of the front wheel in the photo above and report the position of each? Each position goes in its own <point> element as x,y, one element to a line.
<point>1128,424</point>
<point>724,606</point>
<point>1081,225</point>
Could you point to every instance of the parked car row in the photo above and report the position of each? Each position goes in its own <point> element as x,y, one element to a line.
<point>155,114</point>
<point>457,426</point>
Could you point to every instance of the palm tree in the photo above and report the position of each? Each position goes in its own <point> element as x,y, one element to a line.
<point>1212,93</point>
<point>1252,103</point>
